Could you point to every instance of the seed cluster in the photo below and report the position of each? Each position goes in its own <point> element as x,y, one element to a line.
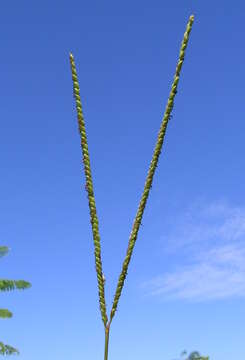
<point>147,187</point>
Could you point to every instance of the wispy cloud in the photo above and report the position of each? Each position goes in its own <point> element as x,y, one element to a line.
<point>210,239</point>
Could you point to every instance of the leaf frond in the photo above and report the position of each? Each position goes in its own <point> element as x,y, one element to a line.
<point>3,250</point>
<point>5,313</point>
<point>7,349</point>
<point>6,285</point>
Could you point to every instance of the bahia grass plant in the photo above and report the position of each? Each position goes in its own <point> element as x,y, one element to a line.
<point>90,191</point>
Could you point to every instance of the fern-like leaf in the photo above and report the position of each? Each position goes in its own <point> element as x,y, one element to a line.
<point>7,349</point>
<point>3,250</point>
<point>5,313</point>
<point>6,285</point>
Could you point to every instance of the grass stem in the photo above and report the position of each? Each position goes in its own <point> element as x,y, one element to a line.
<point>107,332</point>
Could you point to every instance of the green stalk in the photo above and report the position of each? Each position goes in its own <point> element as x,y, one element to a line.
<point>149,179</point>
<point>107,332</point>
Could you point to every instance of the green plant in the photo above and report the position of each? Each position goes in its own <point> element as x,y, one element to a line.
<point>90,191</point>
<point>6,285</point>
<point>194,355</point>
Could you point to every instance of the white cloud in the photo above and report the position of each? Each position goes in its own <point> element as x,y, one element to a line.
<point>211,239</point>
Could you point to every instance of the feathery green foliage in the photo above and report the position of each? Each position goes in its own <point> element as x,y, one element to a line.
<point>89,186</point>
<point>5,313</point>
<point>3,250</point>
<point>7,350</point>
<point>194,355</point>
<point>6,285</point>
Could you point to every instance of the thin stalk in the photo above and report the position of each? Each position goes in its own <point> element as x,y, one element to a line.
<point>148,183</point>
<point>107,332</point>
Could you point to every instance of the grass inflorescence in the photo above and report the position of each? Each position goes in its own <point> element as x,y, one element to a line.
<point>147,187</point>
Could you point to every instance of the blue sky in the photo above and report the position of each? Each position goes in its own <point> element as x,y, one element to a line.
<point>185,287</point>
